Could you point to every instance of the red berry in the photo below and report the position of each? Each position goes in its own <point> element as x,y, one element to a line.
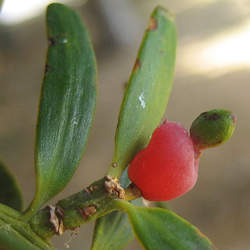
<point>168,166</point>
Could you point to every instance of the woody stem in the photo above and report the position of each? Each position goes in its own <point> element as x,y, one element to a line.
<point>82,207</point>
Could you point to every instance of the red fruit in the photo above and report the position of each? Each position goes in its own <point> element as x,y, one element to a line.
<point>168,166</point>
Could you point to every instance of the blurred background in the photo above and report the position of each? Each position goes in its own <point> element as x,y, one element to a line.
<point>212,71</point>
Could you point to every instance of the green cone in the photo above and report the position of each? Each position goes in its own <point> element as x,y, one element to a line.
<point>212,128</point>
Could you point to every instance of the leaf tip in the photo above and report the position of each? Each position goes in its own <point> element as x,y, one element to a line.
<point>161,11</point>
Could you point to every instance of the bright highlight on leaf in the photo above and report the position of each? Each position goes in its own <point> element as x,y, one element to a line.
<point>149,86</point>
<point>67,102</point>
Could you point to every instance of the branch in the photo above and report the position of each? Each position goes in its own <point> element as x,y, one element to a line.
<point>87,205</point>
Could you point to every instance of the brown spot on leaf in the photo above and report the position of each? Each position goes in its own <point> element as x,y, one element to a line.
<point>152,24</point>
<point>52,41</point>
<point>125,84</point>
<point>137,65</point>
<point>47,68</point>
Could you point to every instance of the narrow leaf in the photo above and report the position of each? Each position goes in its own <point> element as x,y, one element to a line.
<point>67,102</point>
<point>16,234</point>
<point>114,231</point>
<point>10,238</point>
<point>161,229</point>
<point>10,193</point>
<point>148,90</point>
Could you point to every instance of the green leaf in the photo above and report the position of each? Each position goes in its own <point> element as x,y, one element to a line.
<point>17,238</point>
<point>148,90</point>
<point>161,229</point>
<point>10,193</point>
<point>114,231</point>
<point>67,102</point>
<point>16,234</point>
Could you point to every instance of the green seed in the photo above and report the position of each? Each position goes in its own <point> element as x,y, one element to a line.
<point>212,128</point>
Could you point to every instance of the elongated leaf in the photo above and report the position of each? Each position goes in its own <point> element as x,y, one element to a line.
<point>12,238</point>
<point>10,193</point>
<point>67,102</point>
<point>161,229</point>
<point>16,234</point>
<point>148,90</point>
<point>114,231</point>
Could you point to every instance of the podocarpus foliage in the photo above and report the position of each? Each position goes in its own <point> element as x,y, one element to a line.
<point>66,112</point>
